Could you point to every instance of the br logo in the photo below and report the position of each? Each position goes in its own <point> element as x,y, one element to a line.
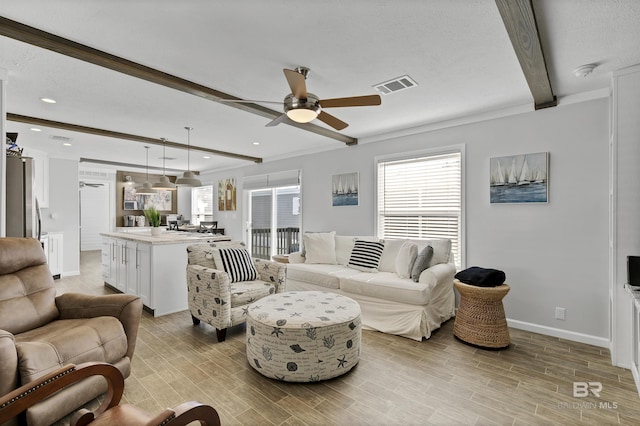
<point>582,389</point>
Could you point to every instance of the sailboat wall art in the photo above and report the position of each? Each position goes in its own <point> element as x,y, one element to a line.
<point>519,178</point>
<point>344,189</point>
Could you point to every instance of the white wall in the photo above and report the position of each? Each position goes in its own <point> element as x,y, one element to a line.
<point>63,212</point>
<point>554,255</point>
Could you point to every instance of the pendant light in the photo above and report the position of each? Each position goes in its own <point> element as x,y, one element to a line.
<point>189,178</point>
<point>164,183</point>
<point>146,188</point>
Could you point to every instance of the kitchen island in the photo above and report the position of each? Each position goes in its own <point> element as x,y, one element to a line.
<point>152,267</point>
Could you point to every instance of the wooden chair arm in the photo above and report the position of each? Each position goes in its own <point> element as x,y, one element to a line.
<point>186,413</point>
<point>25,396</point>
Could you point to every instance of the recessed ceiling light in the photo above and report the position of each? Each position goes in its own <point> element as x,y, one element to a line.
<point>206,156</point>
<point>48,100</point>
<point>66,144</point>
<point>35,129</point>
<point>256,143</point>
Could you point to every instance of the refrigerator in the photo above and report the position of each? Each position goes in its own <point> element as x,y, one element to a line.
<point>23,213</point>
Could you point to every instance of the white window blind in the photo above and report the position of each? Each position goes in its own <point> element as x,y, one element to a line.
<point>272,180</point>
<point>420,198</point>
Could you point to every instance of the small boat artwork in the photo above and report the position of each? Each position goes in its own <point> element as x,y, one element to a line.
<point>345,189</point>
<point>519,178</point>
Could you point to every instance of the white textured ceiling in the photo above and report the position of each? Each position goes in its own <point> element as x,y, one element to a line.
<point>457,51</point>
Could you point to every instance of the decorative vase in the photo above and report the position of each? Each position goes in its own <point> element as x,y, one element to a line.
<point>155,231</point>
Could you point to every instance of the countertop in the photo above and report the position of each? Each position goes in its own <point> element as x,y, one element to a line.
<point>166,237</point>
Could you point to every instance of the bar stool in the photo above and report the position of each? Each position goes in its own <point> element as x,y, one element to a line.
<point>480,319</point>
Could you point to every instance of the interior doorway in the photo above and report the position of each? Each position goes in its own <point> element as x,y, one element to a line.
<point>94,214</point>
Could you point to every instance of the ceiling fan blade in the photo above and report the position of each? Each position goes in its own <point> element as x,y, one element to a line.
<point>250,101</point>
<point>296,82</point>
<point>353,101</point>
<point>280,119</point>
<point>332,121</point>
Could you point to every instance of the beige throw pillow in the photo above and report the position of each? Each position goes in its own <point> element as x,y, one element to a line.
<point>320,247</point>
<point>390,255</point>
<point>406,257</point>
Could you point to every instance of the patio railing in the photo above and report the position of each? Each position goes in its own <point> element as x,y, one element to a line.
<point>287,240</point>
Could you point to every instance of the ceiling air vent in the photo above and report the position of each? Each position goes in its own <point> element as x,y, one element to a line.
<point>60,138</point>
<point>395,85</point>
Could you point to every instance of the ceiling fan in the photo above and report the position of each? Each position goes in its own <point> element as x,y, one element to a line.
<point>302,106</point>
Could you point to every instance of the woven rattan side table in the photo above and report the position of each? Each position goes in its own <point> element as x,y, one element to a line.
<point>480,318</point>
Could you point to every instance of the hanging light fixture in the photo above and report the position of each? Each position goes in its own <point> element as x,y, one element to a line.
<point>164,183</point>
<point>188,178</point>
<point>146,188</point>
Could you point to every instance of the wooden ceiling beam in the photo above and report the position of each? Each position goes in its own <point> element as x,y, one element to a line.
<point>520,22</point>
<point>54,43</point>
<point>126,136</point>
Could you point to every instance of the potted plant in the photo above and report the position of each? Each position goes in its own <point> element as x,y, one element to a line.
<point>153,217</point>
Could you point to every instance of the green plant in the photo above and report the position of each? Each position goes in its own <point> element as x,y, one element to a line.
<point>153,216</point>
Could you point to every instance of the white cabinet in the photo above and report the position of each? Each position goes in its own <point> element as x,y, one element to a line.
<point>139,270</point>
<point>109,261</point>
<point>121,266</point>
<point>143,275</point>
<point>126,266</point>
<point>54,253</point>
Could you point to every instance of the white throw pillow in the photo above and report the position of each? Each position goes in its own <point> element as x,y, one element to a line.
<point>344,245</point>
<point>320,247</point>
<point>389,255</point>
<point>406,257</point>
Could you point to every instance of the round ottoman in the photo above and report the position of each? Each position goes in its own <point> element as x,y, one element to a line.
<point>480,318</point>
<point>303,336</point>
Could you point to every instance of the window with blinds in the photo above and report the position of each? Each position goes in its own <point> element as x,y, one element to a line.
<point>201,204</point>
<point>420,198</point>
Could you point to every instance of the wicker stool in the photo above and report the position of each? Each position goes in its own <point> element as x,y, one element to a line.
<point>480,319</point>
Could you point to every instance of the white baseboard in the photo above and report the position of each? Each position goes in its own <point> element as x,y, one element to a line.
<point>562,334</point>
<point>70,273</point>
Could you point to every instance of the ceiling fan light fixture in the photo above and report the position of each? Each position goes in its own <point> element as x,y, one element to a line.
<point>302,110</point>
<point>302,115</point>
<point>188,178</point>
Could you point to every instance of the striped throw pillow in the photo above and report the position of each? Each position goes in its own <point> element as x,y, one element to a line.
<point>238,264</point>
<point>366,255</point>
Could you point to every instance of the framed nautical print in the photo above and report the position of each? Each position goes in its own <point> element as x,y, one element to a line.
<point>519,178</point>
<point>344,190</point>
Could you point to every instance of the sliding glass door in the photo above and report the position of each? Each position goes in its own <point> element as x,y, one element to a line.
<point>274,225</point>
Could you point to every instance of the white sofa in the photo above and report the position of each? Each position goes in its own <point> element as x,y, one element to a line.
<point>389,303</point>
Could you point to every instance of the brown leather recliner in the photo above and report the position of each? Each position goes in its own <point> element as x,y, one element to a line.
<point>39,332</point>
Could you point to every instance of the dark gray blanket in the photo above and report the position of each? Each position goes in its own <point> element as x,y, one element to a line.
<point>481,277</point>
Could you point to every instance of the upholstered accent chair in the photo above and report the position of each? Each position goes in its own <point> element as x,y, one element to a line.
<point>109,413</point>
<point>39,332</point>
<point>223,280</point>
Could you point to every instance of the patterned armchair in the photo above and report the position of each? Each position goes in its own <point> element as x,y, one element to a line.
<point>223,280</point>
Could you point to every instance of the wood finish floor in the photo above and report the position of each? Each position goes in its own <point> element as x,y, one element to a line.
<point>439,381</point>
